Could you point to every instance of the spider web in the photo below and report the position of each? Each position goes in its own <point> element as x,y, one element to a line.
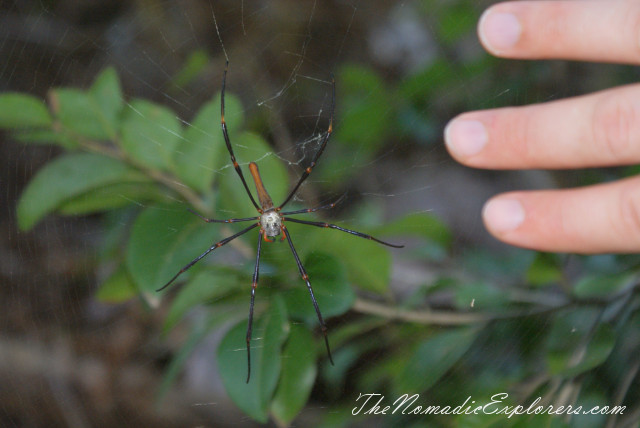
<point>68,360</point>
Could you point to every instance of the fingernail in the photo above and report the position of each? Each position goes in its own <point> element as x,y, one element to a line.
<point>465,137</point>
<point>499,31</point>
<point>503,215</point>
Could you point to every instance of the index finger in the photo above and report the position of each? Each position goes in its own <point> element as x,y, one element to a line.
<point>595,30</point>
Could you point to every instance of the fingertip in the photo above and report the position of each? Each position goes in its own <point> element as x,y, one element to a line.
<point>499,31</point>
<point>503,214</point>
<point>465,137</point>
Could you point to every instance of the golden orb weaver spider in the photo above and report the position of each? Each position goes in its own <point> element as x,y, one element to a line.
<point>271,221</point>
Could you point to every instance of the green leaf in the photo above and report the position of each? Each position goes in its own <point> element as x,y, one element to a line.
<point>480,295</point>
<point>492,264</point>
<point>419,87</point>
<point>424,225</point>
<point>111,197</point>
<point>23,111</point>
<point>456,20</point>
<point>117,288</point>
<point>567,354</point>
<point>80,113</point>
<point>334,377</point>
<point>116,228</point>
<point>203,152</point>
<point>368,263</point>
<point>45,136</point>
<point>163,240</point>
<point>192,67</point>
<point>365,109</point>
<point>298,375</point>
<point>602,286</point>
<point>546,268</point>
<point>93,114</point>
<point>197,334</point>
<point>433,358</point>
<point>328,278</point>
<point>107,95</point>
<point>346,333</point>
<point>270,331</point>
<point>65,178</point>
<point>339,167</point>
<point>150,134</point>
<point>205,287</point>
<point>598,350</point>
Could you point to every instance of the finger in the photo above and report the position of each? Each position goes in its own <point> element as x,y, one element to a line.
<point>597,219</point>
<point>603,30</point>
<point>600,129</point>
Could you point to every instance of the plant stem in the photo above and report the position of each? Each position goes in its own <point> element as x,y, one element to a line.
<point>421,317</point>
<point>165,179</point>
<point>442,317</point>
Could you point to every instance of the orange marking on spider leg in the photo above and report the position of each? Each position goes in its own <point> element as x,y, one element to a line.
<point>305,277</point>
<point>308,170</point>
<point>264,235</point>
<point>263,195</point>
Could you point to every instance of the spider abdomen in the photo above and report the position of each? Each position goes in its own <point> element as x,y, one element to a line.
<point>271,223</point>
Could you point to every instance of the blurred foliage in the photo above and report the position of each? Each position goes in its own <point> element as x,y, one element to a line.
<point>137,156</point>
<point>563,328</point>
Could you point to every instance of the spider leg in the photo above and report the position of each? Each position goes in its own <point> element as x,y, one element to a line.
<point>312,210</point>
<point>225,133</point>
<point>254,285</point>
<point>213,220</point>
<point>305,277</point>
<point>333,226</point>
<point>307,171</point>
<point>213,247</point>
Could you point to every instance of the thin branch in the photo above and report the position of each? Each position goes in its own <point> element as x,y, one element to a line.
<point>421,317</point>
<point>167,180</point>
<point>442,317</point>
<point>190,196</point>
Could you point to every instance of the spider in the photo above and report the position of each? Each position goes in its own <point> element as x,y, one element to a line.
<point>271,221</point>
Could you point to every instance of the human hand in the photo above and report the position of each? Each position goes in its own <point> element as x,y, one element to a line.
<point>600,129</point>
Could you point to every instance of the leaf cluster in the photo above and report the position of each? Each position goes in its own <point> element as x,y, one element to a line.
<point>138,162</point>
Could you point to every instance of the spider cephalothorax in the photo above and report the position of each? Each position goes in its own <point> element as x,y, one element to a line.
<point>272,221</point>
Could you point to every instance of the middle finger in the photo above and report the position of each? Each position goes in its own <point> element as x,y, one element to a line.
<point>600,129</point>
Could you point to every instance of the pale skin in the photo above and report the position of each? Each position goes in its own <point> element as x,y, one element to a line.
<point>599,129</point>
